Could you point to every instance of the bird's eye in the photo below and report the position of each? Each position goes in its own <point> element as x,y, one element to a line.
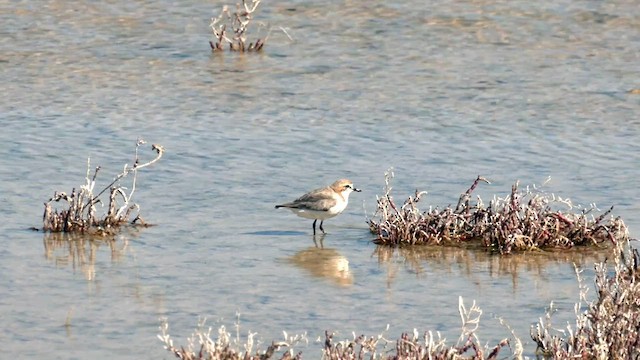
<point>348,186</point>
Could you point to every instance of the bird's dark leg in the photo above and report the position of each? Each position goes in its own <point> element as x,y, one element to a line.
<point>314,226</point>
<point>321,229</point>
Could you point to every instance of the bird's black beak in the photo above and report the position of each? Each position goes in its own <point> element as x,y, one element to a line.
<point>357,190</point>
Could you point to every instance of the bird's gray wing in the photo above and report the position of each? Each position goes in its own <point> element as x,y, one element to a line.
<point>319,200</point>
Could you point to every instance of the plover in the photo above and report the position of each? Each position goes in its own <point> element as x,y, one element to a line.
<point>324,203</point>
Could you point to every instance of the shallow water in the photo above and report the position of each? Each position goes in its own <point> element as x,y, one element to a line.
<point>440,92</point>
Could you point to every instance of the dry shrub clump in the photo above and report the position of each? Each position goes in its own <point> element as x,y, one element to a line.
<point>225,347</point>
<point>523,220</point>
<point>238,21</point>
<point>609,328</point>
<point>426,346</point>
<point>409,346</point>
<point>79,215</point>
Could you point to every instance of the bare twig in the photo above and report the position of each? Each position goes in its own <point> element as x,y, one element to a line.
<point>80,212</point>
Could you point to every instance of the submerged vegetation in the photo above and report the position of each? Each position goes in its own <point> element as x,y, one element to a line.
<point>605,328</point>
<point>523,220</point>
<point>79,213</point>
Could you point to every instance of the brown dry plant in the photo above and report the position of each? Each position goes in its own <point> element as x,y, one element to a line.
<point>523,220</point>
<point>605,328</point>
<point>79,215</point>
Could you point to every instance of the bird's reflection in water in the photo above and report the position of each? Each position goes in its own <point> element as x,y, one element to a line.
<point>324,262</point>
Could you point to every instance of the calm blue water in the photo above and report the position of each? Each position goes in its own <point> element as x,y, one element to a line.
<point>440,92</point>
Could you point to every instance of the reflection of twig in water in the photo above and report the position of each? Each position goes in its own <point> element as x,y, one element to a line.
<point>467,262</point>
<point>81,251</point>
<point>67,322</point>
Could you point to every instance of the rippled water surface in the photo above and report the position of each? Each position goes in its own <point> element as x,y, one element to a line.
<point>440,91</point>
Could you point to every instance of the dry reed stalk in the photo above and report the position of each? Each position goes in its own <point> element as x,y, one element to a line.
<point>523,220</point>
<point>79,215</point>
